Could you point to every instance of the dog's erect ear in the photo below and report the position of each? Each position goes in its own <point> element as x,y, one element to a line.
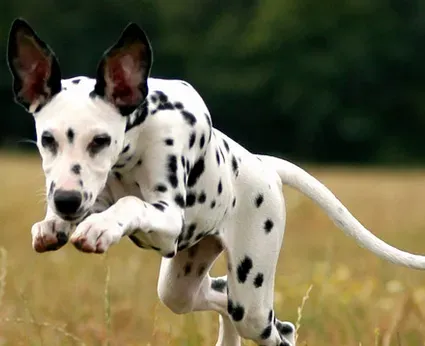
<point>124,69</point>
<point>35,69</point>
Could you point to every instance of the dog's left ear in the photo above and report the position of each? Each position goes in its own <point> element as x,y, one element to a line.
<point>123,72</point>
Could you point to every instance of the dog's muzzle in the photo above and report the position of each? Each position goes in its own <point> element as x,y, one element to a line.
<point>68,204</point>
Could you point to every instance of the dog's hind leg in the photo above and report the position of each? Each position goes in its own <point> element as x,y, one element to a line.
<point>253,242</point>
<point>185,286</point>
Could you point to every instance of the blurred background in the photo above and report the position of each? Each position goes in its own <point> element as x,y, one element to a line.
<point>335,85</point>
<point>318,81</point>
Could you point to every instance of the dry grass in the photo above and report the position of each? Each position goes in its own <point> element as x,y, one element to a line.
<point>69,298</point>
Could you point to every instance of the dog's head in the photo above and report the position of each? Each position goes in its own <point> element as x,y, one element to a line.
<point>80,124</point>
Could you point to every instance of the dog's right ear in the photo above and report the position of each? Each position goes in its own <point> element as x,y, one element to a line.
<point>124,69</point>
<point>34,67</point>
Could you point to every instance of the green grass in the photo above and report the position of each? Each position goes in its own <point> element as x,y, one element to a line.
<point>70,298</point>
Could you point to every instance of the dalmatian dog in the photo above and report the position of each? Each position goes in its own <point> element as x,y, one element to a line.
<point>127,155</point>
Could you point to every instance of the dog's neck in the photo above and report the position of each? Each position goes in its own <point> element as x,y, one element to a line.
<point>128,157</point>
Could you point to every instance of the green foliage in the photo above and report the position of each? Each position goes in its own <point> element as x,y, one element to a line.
<point>330,81</point>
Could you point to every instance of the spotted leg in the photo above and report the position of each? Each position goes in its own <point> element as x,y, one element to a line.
<point>253,244</point>
<point>185,286</point>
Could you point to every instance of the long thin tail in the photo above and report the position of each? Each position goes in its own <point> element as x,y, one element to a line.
<point>299,179</point>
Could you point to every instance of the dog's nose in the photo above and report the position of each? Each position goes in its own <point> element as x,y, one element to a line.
<point>67,201</point>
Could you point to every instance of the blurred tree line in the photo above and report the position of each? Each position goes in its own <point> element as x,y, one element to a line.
<point>319,81</point>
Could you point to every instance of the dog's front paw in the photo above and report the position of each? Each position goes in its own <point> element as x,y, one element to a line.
<point>96,234</point>
<point>50,235</point>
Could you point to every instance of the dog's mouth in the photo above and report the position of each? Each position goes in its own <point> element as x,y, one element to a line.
<point>74,218</point>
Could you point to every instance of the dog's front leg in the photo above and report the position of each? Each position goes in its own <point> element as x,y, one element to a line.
<point>159,226</point>
<point>50,234</point>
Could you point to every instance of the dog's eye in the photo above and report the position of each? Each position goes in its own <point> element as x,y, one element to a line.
<point>98,143</point>
<point>48,141</point>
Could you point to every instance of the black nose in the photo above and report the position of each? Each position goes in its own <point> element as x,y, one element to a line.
<point>67,202</point>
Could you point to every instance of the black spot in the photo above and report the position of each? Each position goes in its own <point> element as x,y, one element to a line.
<point>217,156</point>
<point>234,202</point>
<point>159,206</point>
<point>139,162</point>
<point>80,182</point>
<point>266,332</point>
<point>161,188</point>
<point>76,81</point>
<point>212,205</point>
<point>258,281</point>
<point>172,163</point>
<point>190,199</point>
<point>259,200</point>
<point>118,175</point>
<point>85,195</point>
<point>196,172</point>
<point>154,99</point>
<point>189,117</point>
<point>270,315</point>
<point>162,97</point>
<point>187,268</point>
<point>235,165</point>
<point>192,139</point>
<point>268,225</point>
<point>190,231</point>
<point>201,270</point>
<point>76,169</point>
<point>222,155</point>
<point>226,145</point>
<point>172,170</point>
<point>178,105</point>
<point>155,248</point>
<point>169,141</point>
<point>126,148</point>
<point>166,105</point>
<point>218,285</point>
<point>244,268</point>
<point>202,197</point>
<point>238,313</point>
<point>170,255</point>
<point>179,199</point>
<point>119,165</point>
<point>202,141</point>
<point>70,135</point>
<point>220,187</point>
<point>284,328</point>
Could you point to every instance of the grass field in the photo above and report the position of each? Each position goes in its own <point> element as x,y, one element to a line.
<point>70,298</point>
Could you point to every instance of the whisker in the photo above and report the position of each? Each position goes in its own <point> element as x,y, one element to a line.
<point>27,140</point>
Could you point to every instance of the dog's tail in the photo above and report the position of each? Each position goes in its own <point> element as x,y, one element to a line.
<point>299,179</point>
